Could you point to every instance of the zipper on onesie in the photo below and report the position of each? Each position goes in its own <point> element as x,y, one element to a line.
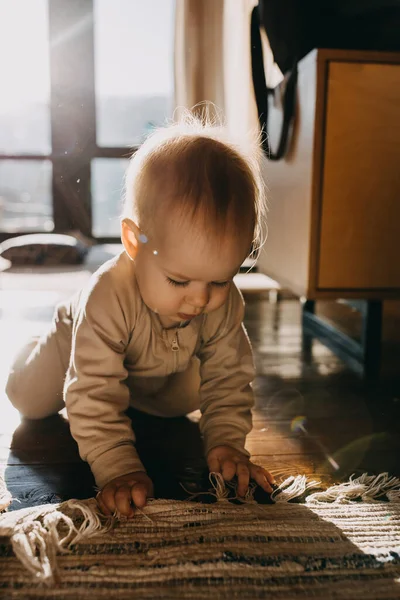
<point>175,350</point>
<point>174,343</point>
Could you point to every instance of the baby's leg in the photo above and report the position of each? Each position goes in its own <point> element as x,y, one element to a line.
<point>35,383</point>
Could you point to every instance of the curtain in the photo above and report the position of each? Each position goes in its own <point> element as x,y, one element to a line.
<point>213,61</point>
<point>199,53</point>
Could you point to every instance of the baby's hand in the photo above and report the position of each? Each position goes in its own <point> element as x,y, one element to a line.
<point>231,462</point>
<point>124,493</point>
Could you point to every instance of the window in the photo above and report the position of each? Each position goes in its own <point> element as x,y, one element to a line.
<point>25,184</point>
<point>133,68</point>
<point>83,81</point>
<point>107,176</point>
<point>25,201</point>
<point>133,42</point>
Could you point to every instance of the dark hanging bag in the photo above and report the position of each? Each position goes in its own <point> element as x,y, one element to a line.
<point>295,27</point>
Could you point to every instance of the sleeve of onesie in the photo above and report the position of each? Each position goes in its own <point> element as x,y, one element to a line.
<point>226,370</point>
<point>95,391</point>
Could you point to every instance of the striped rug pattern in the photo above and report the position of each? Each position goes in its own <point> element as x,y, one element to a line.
<point>222,550</point>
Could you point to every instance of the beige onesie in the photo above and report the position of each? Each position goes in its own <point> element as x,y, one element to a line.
<point>107,350</point>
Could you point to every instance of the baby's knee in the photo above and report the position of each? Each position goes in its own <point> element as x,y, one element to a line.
<point>12,391</point>
<point>16,393</point>
<point>22,397</point>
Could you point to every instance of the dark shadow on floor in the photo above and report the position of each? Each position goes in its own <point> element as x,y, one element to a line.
<point>44,463</point>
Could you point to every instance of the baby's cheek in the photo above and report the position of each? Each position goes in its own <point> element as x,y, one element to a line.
<point>170,297</point>
<point>219,297</point>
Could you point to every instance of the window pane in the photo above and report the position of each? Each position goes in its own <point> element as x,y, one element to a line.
<point>107,189</point>
<point>133,68</point>
<point>25,77</point>
<point>25,196</point>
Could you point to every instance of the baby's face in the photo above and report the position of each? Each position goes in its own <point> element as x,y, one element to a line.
<point>182,275</point>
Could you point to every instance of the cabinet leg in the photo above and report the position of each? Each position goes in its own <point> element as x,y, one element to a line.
<point>371,338</point>
<point>364,356</point>
<point>307,337</point>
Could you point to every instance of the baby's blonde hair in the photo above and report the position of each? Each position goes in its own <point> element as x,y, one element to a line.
<point>192,165</point>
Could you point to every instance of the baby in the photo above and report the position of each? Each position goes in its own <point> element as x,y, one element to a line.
<point>159,327</point>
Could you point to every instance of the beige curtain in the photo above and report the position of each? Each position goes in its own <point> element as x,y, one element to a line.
<point>199,53</point>
<point>213,60</point>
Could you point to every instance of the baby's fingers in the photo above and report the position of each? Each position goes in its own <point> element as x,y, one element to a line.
<point>229,469</point>
<point>243,475</point>
<point>112,499</point>
<point>262,477</point>
<point>123,501</point>
<point>214,465</point>
<point>106,500</point>
<point>104,509</point>
<point>139,494</point>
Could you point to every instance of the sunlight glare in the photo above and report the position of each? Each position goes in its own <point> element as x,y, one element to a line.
<point>24,62</point>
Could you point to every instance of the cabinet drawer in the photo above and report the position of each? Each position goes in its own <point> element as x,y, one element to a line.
<point>359,237</point>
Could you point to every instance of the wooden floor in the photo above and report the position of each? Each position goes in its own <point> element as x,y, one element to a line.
<point>311,417</point>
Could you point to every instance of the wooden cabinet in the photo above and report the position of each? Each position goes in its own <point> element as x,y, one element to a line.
<point>334,217</point>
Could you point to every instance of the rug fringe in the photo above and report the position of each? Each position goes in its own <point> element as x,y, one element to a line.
<point>5,498</point>
<point>368,488</point>
<point>293,487</point>
<point>226,491</point>
<point>36,533</point>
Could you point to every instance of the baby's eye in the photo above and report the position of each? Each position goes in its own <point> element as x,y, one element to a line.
<point>221,284</point>
<point>177,283</point>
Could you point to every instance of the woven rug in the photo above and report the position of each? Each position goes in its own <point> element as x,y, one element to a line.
<point>340,543</point>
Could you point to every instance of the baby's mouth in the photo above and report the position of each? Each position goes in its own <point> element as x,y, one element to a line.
<point>186,317</point>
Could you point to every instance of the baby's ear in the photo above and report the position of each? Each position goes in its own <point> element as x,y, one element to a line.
<point>130,236</point>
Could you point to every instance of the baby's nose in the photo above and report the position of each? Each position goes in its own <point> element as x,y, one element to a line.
<point>200,298</point>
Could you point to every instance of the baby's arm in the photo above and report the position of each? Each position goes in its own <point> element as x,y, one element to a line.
<point>96,396</point>
<point>226,396</point>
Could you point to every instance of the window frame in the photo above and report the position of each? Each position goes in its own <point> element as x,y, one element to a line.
<point>72,119</point>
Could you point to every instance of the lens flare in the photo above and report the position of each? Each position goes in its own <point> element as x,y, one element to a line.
<point>298,424</point>
<point>332,462</point>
